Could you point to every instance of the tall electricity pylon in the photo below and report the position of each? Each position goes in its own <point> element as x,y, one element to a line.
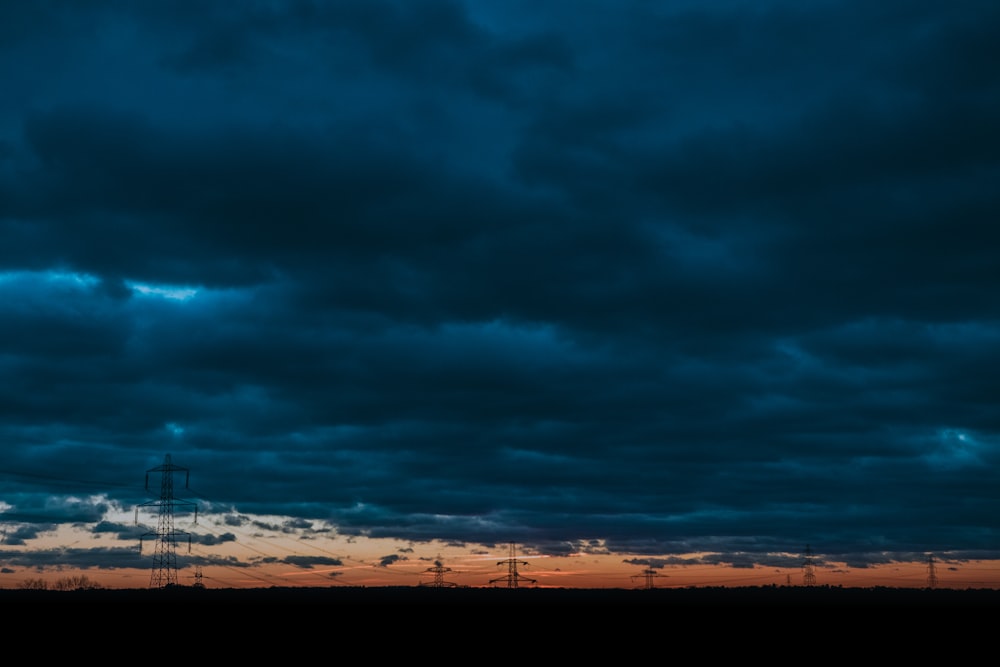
<point>808,575</point>
<point>932,579</point>
<point>512,577</point>
<point>649,574</point>
<point>165,556</point>
<point>439,569</point>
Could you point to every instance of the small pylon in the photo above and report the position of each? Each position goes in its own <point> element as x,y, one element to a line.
<point>932,580</point>
<point>438,570</point>
<point>512,578</point>
<point>648,575</point>
<point>808,573</point>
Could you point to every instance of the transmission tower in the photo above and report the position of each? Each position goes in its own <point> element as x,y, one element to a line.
<point>932,579</point>
<point>648,575</point>
<point>165,556</point>
<point>512,577</point>
<point>808,575</point>
<point>438,570</point>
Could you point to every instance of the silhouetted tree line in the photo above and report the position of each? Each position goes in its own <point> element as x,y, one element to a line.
<point>76,583</point>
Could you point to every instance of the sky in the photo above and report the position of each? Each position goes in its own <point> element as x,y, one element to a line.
<point>705,290</point>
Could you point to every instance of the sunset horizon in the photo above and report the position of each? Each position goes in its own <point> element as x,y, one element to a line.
<point>612,294</point>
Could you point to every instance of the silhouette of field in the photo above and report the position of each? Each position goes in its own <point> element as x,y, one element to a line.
<point>422,595</point>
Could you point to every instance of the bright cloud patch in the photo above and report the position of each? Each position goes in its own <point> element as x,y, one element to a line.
<point>164,291</point>
<point>26,278</point>
<point>955,449</point>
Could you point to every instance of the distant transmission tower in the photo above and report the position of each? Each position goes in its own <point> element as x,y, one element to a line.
<point>808,575</point>
<point>165,556</point>
<point>512,577</point>
<point>648,574</point>
<point>932,579</point>
<point>439,569</point>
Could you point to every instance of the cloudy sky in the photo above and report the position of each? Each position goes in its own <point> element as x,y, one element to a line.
<point>641,278</point>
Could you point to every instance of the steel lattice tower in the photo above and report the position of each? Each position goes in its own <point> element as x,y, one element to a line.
<point>808,575</point>
<point>649,574</point>
<point>932,579</point>
<point>512,577</point>
<point>439,569</point>
<point>165,556</point>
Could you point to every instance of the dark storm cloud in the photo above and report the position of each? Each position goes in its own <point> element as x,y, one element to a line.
<point>311,561</point>
<point>386,561</point>
<point>604,276</point>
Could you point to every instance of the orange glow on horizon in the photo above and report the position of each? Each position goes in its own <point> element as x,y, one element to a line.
<point>337,560</point>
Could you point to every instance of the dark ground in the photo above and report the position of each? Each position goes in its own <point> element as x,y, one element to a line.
<point>424,595</point>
